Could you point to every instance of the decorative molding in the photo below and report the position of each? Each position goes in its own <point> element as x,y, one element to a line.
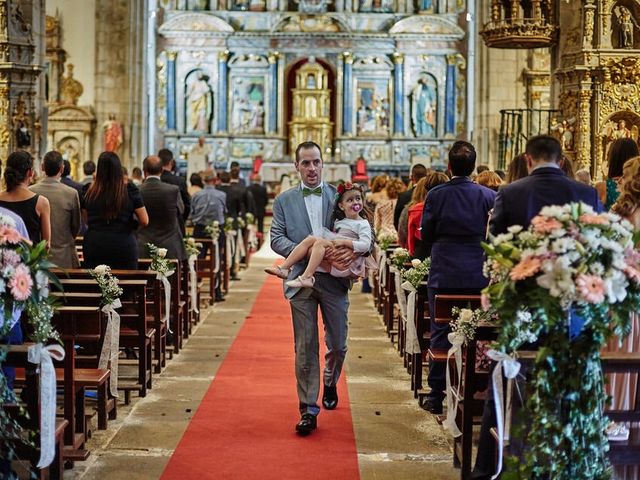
<point>310,23</point>
<point>427,25</point>
<point>194,24</point>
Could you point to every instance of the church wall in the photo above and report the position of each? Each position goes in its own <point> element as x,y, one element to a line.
<point>78,22</point>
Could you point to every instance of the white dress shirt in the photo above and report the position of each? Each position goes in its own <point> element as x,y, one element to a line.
<point>314,210</point>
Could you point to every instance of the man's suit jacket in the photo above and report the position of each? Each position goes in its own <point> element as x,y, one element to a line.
<point>403,199</point>
<point>165,208</point>
<point>520,201</point>
<point>260,198</point>
<point>454,222</point>
<point>65,220</point>
<point>73,184</point>
<point>290,225</point>
<point>181,183</point>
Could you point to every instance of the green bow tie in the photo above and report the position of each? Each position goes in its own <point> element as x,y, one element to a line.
<point>312,191</point>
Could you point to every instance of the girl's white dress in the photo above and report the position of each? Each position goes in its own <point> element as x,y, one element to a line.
<point>360,232</point>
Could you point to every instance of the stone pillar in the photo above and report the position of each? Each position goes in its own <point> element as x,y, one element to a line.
<point>398,98</point>
<point>171,90</point>
<point>450,97</point>
<point>583,148</point>
<point>222,90</point>
<point>605,22</point>
<point>272,122</point>
<point>347,108</point>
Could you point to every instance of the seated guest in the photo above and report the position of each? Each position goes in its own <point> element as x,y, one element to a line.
<point>65,211</point>
<point>489,179</point>
<point>454,223</point>
<point>112,211</point>
<point>34,209</point>
<point>415,242</point>
<point>165,209</point>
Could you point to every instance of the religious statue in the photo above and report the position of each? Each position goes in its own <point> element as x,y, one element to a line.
<point>23,136</point>
<point>199,157</point>
<point>564,133</point>
<point>423,108</point>
<point>199,104</point>
<point>621,131</point>
<point>20,121</point>
<point>257,118</point>
<point>113,134</point>
<point>627,24</point>
<point>70,89</point>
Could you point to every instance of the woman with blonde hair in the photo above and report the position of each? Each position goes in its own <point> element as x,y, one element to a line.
<point>489,179</point>
<point>383,213</point>
<point>622,386</point>
<point>378,192</point>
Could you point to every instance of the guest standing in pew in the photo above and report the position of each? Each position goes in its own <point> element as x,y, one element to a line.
<point>260,198</point>
<point>454,222</point>
<point>516,204</point>
<point>165,209</point>
<point>207,206</point>
<point>168,176</point>
<point>67,180</point>
<point>297,213</point>
<point>418,171</point>
<point>65,211</point>
<point>112,210</point>
<point>34,209</point>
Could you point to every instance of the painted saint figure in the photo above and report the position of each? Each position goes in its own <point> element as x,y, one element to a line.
<point>199,104</point>
<point>113,134</point>
<point>423,104</point>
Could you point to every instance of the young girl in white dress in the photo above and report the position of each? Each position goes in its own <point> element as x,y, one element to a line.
<point>352,230</point>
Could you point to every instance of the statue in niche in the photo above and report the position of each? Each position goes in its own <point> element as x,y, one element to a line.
<point>199,104</point>
<point>313,6</point>
<point>423,107</point>
<point>247,111</point>
<point>311,81</point>
<point>71,89</point>
<point>564,133</point>
<point>257,117</point>
<point>626,24</point>
<point>113,134</point>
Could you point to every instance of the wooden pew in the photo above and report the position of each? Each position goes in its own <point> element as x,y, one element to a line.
<point>423,330</point>
<point>205,268</point>
<point>17,357</point>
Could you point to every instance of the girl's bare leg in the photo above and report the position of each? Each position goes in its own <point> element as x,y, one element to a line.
<point>317,255</point>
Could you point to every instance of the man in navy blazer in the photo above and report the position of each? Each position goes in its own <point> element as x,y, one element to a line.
<point>516,204</point>
<point>520,201</point>
<point>454,222</point>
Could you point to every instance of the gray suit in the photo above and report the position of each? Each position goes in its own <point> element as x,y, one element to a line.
<point>165,208</point>
<point>65,220</point>
<point>291,225</point>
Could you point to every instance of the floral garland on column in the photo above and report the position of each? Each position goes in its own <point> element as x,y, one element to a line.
<point>24,286</point>
<point>110,300</point>
<point>570,266</point>
<point>193,249</point>
<point>162,266</point>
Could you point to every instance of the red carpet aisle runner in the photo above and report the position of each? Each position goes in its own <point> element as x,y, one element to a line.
<point>244,427</point>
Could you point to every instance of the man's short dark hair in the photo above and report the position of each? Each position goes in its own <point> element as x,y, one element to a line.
<point>418,171</point>
<point>307,146</point>
<point>224,177</point>
<point>152,165</point>
<point>233,165</point>
<point>482,168</point>
<point>544,148</point>
<point>166,156</point>
<point>89,167</point>
<point>234,173</point>
<point>52,163</point>
<point>67,168</point>
<point>462,159</point>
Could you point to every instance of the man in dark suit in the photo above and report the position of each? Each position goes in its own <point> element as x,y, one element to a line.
<point>260,199</point>
<point>418,171</point>
<point>454,222</point>
<point>67,180</point>
<point>516,204</point>
<point>165,208</point>
<point>236,207</point>
<point>168,167</point>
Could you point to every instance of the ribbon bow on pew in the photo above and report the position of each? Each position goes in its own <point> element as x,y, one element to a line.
<point>41,355</point>
<point>111,344</point>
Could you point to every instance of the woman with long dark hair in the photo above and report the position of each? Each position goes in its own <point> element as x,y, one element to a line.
<point>34,209</point>
<point>112,210</point>
<point>620,151</point>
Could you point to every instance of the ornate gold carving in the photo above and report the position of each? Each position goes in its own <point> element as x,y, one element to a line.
<point>223,56</point>
<point>513,31</point>
<point>398,58</point>
<point>626,70</point>
<point>583,156</point>
<point>310,23</point>
<point>272,57</point>
<point>589,16</point>
<point>348,57</point>
<point>161,103</point>
<point>71,89</point>
<point>172,55</point>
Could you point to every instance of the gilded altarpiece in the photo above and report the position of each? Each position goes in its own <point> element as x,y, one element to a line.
<point>597,77</point>
<point>395,71</point>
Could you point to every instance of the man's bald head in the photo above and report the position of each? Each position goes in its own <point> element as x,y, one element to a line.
<point>152,165</point>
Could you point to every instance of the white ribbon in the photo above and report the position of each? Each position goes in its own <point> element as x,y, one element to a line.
<point>216,249</point>
<point>41,355</point>
<point>382,271</point>
<point>252,238</point>
<point>511,367</point>
<point>239,250</point>
<point>167,296</point>
<point>400,296</point>
<point>193,283</point>
<point>111,344</point>
<point>412,344</point>
<point>456,339</point>
<point>229,250</point>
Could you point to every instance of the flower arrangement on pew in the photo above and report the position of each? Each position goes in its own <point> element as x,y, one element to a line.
<point>409,280</point>
<point>569,282</point>
<point>192,247</point>
<point>385,238</point>
<point>229,224</point>
<point>418,271</point>
<point>24,286</point>
<point>111,293</point>
<point>213,230</point>
<point>399,257</point>
<point>249,218</point>
<point>162,266</point>
<point>465,321</point>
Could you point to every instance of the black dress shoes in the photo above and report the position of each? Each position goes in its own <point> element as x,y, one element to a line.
<point>306,425</point>
<point>330,397</point>
<point>433,405</point>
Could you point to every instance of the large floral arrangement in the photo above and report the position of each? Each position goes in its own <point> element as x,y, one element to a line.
<point>24,286</point>
<point>399,257</point>
<point>570,266</point>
